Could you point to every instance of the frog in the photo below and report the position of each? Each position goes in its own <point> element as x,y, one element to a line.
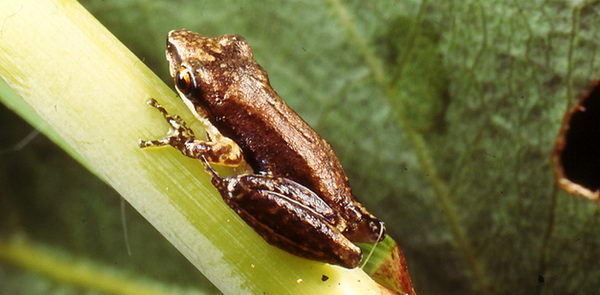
<point>296,195</point>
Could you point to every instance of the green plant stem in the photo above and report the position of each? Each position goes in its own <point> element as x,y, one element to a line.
<point>87,92</point>
<point>22,253</point>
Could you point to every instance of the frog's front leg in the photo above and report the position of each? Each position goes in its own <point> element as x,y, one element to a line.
<point>219,149</point>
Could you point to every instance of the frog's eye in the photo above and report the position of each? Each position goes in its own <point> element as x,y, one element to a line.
<point>184,80</point>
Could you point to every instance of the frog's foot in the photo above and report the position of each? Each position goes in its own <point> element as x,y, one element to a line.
<point>222,150</point>
<point>153,143</point>
<point>178,134</point>
<point>178,127</point>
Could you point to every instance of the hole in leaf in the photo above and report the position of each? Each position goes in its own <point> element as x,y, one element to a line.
<point>577,152</point>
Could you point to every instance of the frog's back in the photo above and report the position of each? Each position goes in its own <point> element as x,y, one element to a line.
<point>235,93</point>
<point>277,140</point>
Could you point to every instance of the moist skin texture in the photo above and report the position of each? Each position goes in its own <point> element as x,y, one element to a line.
<point>222,84</point>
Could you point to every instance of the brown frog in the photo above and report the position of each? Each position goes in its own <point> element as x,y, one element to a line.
<point>298,198</point>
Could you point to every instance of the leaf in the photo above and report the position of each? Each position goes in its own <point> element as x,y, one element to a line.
<point>386,264</point>
<point>459,171</point>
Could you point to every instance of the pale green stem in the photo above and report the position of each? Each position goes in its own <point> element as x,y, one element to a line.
<point>73,77</point>
<point>23,254</point>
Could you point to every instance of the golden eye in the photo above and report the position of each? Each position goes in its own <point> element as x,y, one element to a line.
<point>183,80</point>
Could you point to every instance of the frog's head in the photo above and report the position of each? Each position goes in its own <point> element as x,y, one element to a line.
<point>185,47</point>
<point>207,70</point>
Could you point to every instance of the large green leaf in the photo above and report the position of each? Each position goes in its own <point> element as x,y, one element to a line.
<point>444,114</point>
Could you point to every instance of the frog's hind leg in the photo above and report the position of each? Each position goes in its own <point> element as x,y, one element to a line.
<point>289,216</point>
<point>180,136</point>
